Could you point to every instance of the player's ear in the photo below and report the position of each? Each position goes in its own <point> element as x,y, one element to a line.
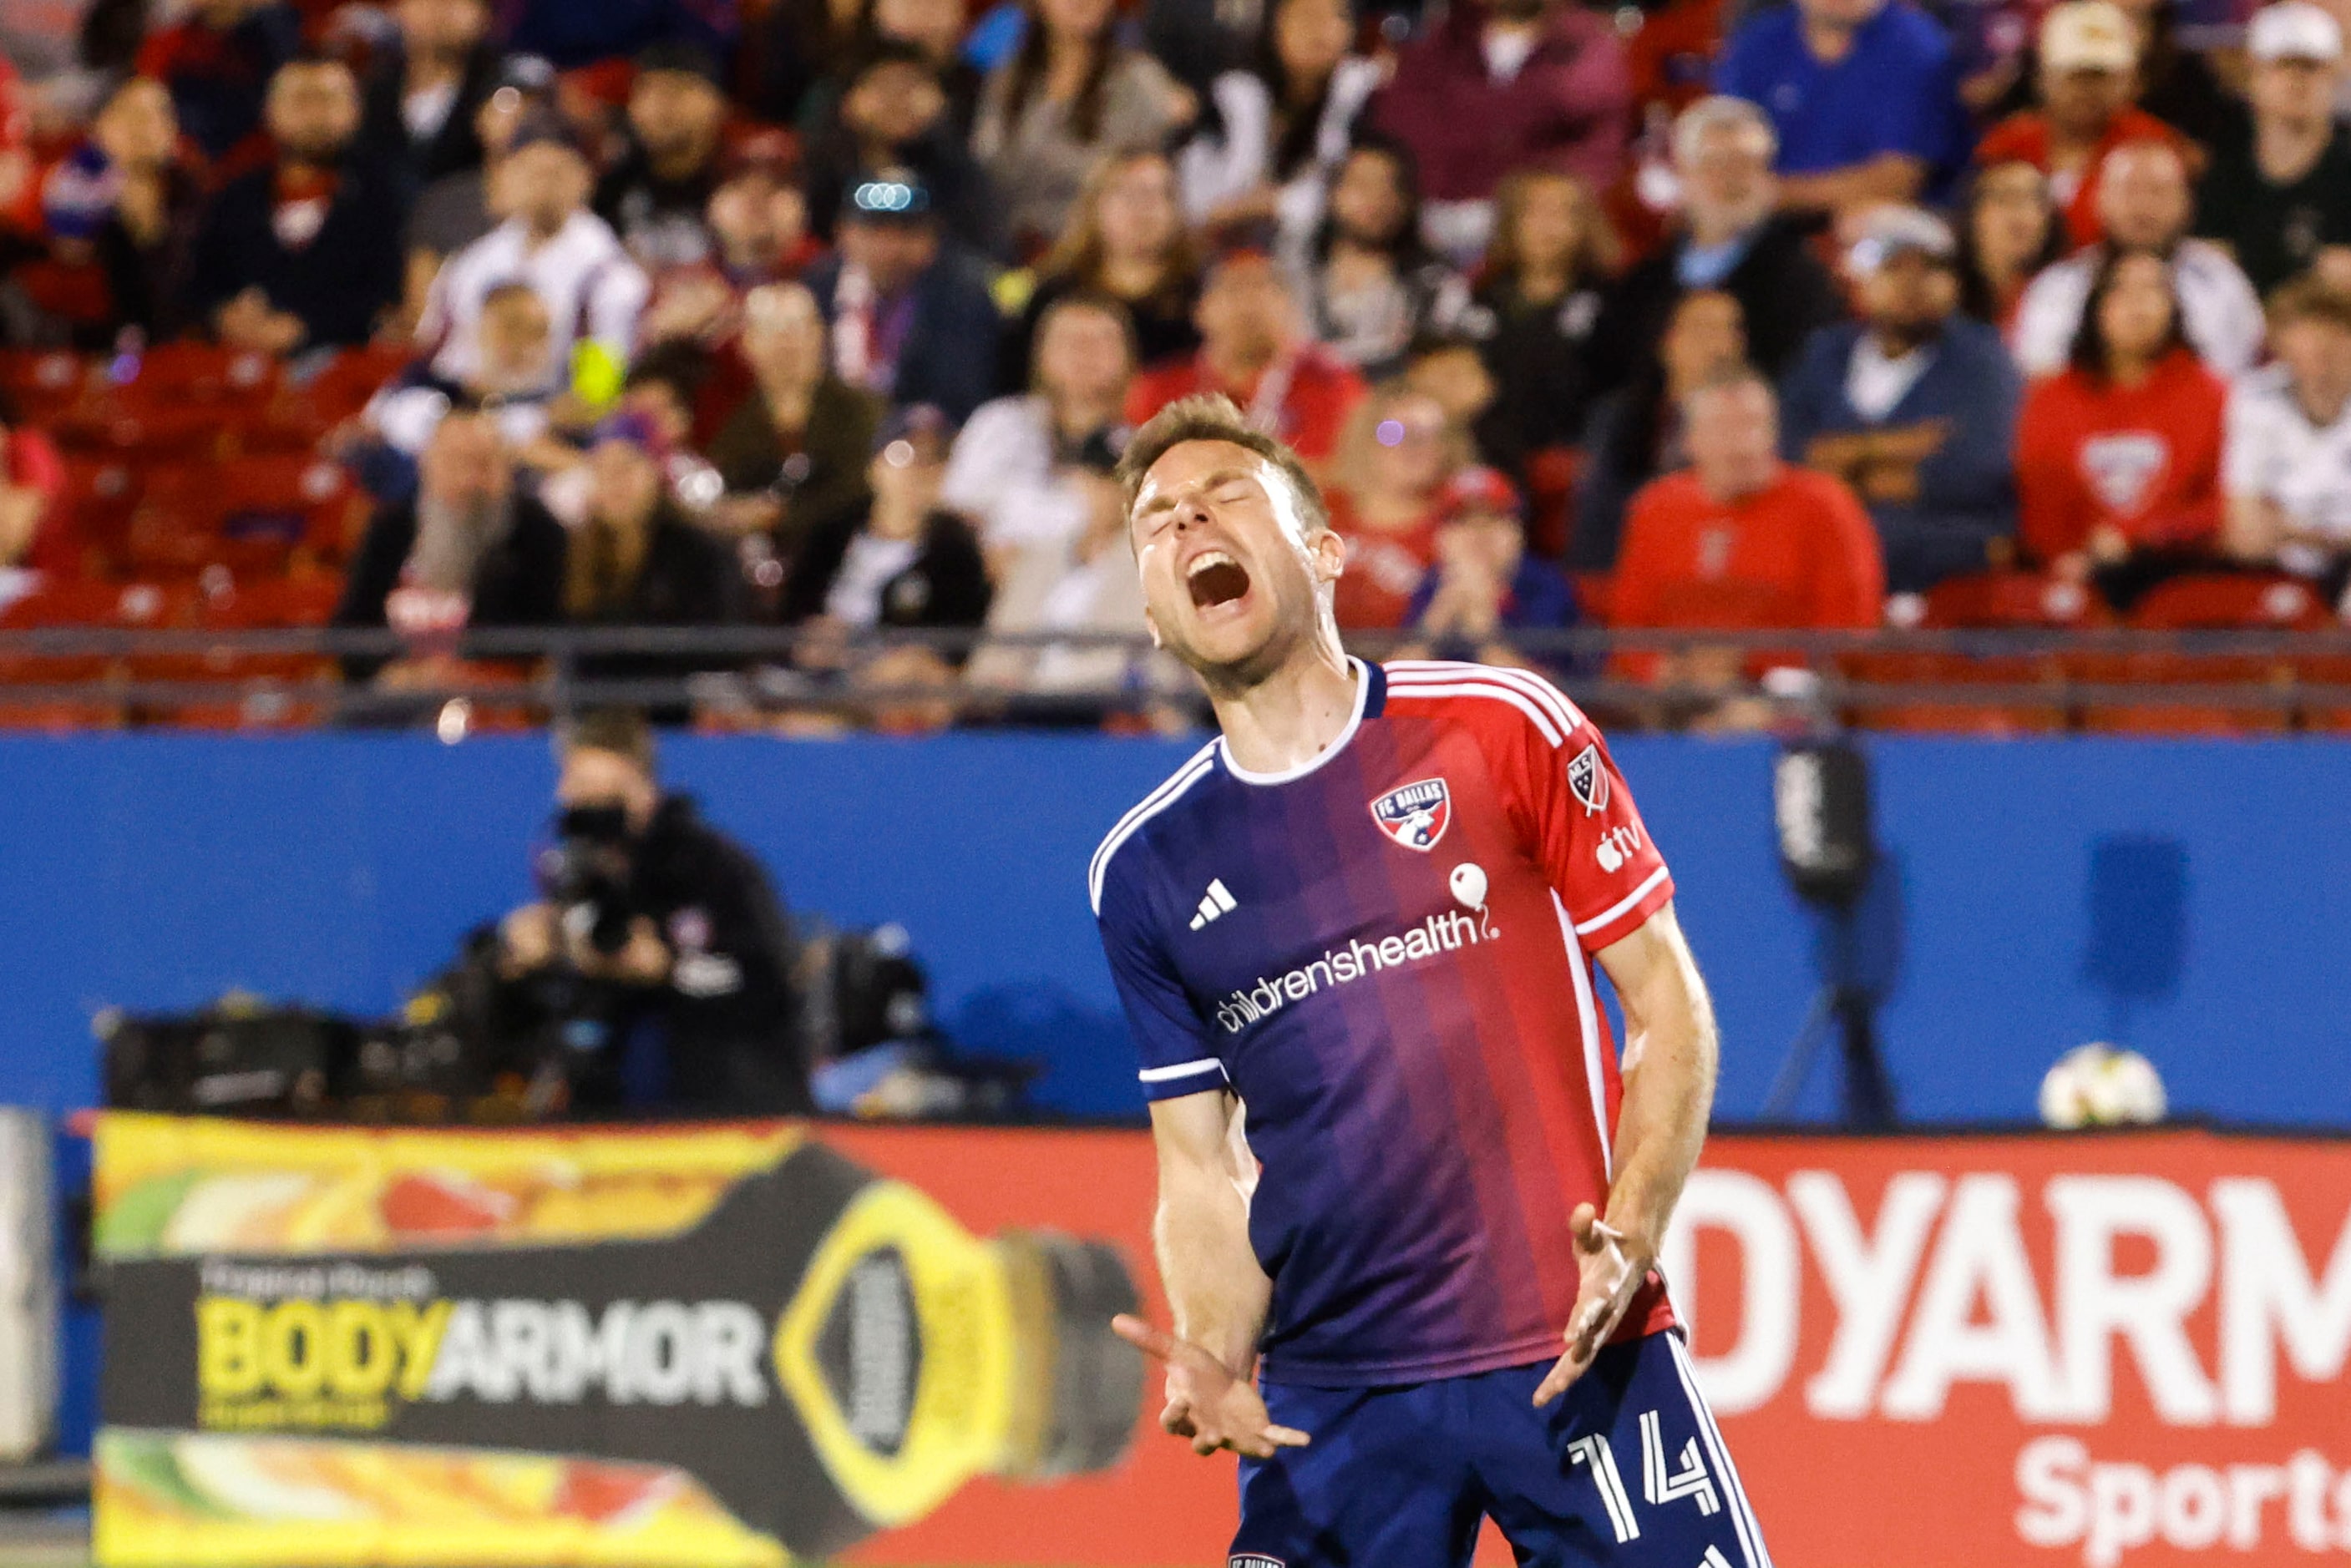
<point>1328,551</point>
<point>1151,624</point>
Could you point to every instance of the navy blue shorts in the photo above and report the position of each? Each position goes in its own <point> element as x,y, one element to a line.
<point>1626,1467</point>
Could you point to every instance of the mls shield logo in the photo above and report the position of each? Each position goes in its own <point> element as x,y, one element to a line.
<point>1588,780</point>
<point>1416,814</point>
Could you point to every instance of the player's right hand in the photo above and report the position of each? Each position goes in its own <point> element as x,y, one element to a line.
<point>1207,1401</point>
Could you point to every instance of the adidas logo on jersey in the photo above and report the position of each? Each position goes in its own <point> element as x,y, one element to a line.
<point>1213,902</point>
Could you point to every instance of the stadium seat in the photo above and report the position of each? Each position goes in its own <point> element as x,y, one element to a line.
<point>1983,601</point>
<point>196,375</point>
<point>1552,476</point>
<point>2329,714</point>
<point>1991,601</point>
<point>44,384</point>
<point>139,432</point>
<point>2217,601</point>
<point>258,517</point>
<point>74,604</point>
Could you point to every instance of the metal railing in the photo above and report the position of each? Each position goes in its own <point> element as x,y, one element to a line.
<point>155,675</point>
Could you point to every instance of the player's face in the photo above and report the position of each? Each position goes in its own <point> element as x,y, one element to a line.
<point>1232,568</point>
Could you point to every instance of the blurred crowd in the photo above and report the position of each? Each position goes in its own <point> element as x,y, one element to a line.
<point>1714,315</point>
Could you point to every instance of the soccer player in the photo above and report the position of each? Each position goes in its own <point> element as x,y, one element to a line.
<point>1398,1159</point>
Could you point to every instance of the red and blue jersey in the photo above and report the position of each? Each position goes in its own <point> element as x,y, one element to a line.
<point>1386,953</point>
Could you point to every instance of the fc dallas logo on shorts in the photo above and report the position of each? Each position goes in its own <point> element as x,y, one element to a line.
<point>1415,815</point>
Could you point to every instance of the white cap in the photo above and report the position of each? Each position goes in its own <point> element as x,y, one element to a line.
<point>1890,231</point>
<point>2295,30</point>
<point>2088,35</point>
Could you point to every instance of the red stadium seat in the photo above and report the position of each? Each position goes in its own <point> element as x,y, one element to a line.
<point>45,383</point>
<point>139,432</point>
<point>258,517</point>
<point>2231,601</point>
<point>205,375</point>
<point>1551,476</point>
<point>2234,601</point>
<point>1988,601</point>
<point>2009,717</point>
<point>76,604</point>
<point>2328,714</point>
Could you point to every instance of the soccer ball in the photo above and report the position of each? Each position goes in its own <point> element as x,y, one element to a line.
<point>2101,1085</point>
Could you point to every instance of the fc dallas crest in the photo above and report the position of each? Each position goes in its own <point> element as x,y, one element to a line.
<point>1415,815</point>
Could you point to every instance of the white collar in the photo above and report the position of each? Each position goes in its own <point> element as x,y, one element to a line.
<point>1338,742</point>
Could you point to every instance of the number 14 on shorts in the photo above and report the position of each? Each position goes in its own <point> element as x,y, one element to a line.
<point>1660,1485</point>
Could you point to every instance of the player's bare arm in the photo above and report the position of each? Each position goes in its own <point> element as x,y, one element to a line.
<point>1670,1055</point>
<point>1215,1287</point>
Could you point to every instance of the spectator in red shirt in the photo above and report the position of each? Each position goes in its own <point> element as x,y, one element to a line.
<point>1388,504</point>
<point>34,529</point>
<point>2089,69</point>
<point>1742,541</point>
<point>217,61</point>
<point>1503,86</point>
<point>1254,349</point>
<point>2119,456</point>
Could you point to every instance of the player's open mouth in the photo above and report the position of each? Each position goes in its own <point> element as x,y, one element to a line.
<point>1216,579</point>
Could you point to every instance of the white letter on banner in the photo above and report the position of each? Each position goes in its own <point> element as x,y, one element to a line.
<point>2147,1311</point>
<point>1869,1278</point>
<point>2267,1294</point>
<point>1980,1254</point>
<point>1753,1370</point>
<point>2049,1473</point>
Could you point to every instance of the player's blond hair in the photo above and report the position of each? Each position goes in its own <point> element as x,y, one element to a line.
<point>1215,417</point>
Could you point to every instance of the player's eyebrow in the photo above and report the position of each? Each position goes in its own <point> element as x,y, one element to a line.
<point>1167,498</point>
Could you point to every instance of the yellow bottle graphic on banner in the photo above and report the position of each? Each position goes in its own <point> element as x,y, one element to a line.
<point>567,1347</point>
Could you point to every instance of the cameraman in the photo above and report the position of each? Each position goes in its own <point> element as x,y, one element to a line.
<point>660,956</point>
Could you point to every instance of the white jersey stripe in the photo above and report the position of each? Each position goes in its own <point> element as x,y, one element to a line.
<point>1182,1070</point>
<point>1734,1492</point>
<point>1587,1020</point>
<point>1412,687</point>
<point>1567,713</point>
<point>1623,904</point>
<point>1150,805</point>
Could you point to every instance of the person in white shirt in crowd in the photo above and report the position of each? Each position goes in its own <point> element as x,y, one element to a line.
<point>2286,462</point>
<point>2144,205</point>
<point>1015,470</point>
<point>513,383</point>
<point>550,241</point>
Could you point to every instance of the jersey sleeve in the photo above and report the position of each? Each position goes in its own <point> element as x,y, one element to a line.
<point>1178,1054</point>
<point>1585,829</point>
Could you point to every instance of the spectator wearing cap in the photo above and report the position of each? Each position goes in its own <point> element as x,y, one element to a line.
<point>2277,191</point>
<point>1483,584</point>
<point>655,194</point>
<point>2118,455</point>
<point>1635,432</point>
<point>35,530</point>
<point>2144,205</point>
<point>1254,349</point>
<point>901,561</point>
<point>1730,237</point>
<point>421,98</point>
<point>1508,84</point>
<point>2288,443</point>
<point>1741,542</point>
<point>217,61</point>
<point>1371,285</point>
<point>550,241</point>
<point>793,452</point>
<point>1914,407</point>
<point>1386,502</point>
<point>469,548</point>
<point>636,558</point>
<point>1022,469</point>
<point>1069,93</point>
<point>1864,95</point>
<point>303,252</point>
<point>120,211</point>
<point>2089,56</point>
<point>911,317</point>
<point>1126,241</point>
<point>892,113</point>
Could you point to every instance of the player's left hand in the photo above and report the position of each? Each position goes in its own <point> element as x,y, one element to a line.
<point>1612,1271</point>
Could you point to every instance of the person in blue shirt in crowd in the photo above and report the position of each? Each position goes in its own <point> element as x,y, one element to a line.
<point>1485,584</point>
<point>1915,406</point>
<point>1865,95</point>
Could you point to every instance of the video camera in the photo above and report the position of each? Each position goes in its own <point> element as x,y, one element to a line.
<point>587,874</point>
